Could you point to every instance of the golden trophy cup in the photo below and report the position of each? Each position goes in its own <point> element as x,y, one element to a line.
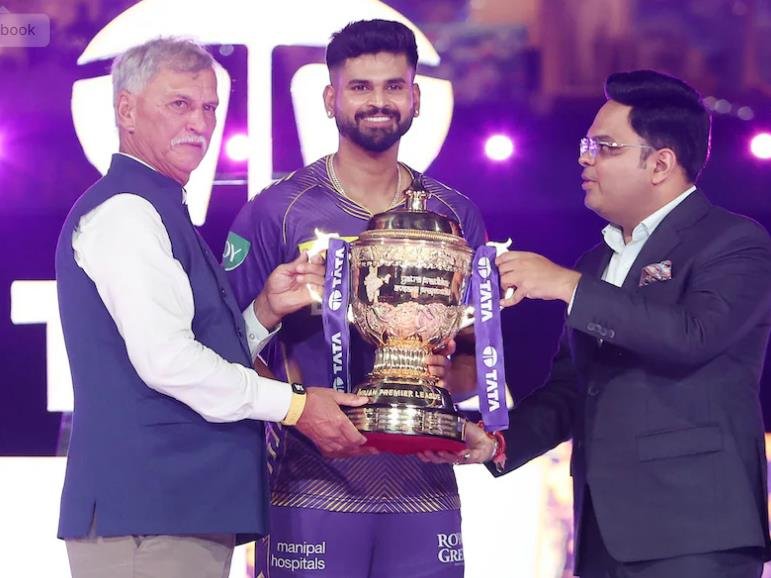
<point>409,272</point>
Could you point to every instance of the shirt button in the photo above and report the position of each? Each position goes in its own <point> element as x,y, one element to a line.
<point>252,337</point>
<point>593,390</point>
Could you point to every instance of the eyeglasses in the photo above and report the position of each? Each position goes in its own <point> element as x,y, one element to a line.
<point>592,147</point>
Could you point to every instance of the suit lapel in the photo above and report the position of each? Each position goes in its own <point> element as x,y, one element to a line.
<point>666,236</point>
<point>596,261</point>
<point>659,247</point>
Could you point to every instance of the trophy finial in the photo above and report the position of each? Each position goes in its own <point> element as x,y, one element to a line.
<point>414,214</point>
<point>417,196</point>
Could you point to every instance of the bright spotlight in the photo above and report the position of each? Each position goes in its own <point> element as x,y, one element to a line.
<point>760,146</point>
<point>499,147</point>
<point>237,147</point>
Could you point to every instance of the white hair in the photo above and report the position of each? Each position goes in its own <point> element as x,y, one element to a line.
<point>132,70</point>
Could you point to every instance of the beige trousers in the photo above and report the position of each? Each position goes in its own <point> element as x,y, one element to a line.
<point>202,556</point>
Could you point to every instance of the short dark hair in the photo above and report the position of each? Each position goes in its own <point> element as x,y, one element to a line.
<point>666,112</point>
<point>371,37</point>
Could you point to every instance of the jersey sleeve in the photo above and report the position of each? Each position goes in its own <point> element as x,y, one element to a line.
<point>253,249</point>
<point>473,226</point>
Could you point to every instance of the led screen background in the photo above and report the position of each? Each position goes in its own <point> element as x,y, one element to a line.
<point>516,71</point>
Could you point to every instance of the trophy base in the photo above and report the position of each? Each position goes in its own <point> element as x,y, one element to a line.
<point>407,418</point>
<point>404,445</point>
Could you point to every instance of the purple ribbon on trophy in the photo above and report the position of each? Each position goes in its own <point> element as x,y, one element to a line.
<point>491,374</point>
<point>334,306</point>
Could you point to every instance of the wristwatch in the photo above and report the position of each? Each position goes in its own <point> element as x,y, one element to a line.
<point>296,405</point>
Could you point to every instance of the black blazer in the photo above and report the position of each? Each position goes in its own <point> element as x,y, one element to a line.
<point>658,388</point>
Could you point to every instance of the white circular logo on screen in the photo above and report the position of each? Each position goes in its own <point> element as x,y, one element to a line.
<point>489,356</point>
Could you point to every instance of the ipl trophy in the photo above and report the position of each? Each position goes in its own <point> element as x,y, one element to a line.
<point>408,277</point>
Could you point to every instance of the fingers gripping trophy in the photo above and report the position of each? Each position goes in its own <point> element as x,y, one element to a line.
<point>407,282</point>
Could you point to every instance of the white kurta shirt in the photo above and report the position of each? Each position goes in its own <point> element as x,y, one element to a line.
<point>124,248</point>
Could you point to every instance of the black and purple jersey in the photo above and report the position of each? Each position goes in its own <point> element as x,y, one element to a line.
<point>272,229</point>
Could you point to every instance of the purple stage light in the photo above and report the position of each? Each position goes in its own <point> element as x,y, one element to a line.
<point>760,146</point>
<point>237,147</point>
<point>499,147</point>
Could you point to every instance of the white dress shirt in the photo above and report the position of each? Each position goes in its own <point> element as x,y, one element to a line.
<point>124,248</point>
<point>624,254</point>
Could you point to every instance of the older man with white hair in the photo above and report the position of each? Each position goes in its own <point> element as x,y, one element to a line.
<point>166,466</point>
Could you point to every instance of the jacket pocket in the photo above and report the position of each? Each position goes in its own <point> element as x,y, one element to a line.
<point>683,442</point>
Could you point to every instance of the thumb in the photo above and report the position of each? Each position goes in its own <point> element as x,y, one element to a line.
<point>301,258</point>
<point>304,257</point>
<point>515,297</point>
<point>350,399</point>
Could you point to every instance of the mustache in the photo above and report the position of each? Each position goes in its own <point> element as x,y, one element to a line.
<point>375,111</point>
<point>190,139</point>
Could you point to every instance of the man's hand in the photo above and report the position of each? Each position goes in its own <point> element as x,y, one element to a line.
<point>458,374</point>
<point>535,277</point>
<point>479,449</point>
<point>286,289</point>
<point>439,363</point>
<point>324,423</point>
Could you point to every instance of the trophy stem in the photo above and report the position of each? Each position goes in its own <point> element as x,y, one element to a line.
<point>402,361</point>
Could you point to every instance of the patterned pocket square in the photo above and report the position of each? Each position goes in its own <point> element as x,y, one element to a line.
<point>656,272</point>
